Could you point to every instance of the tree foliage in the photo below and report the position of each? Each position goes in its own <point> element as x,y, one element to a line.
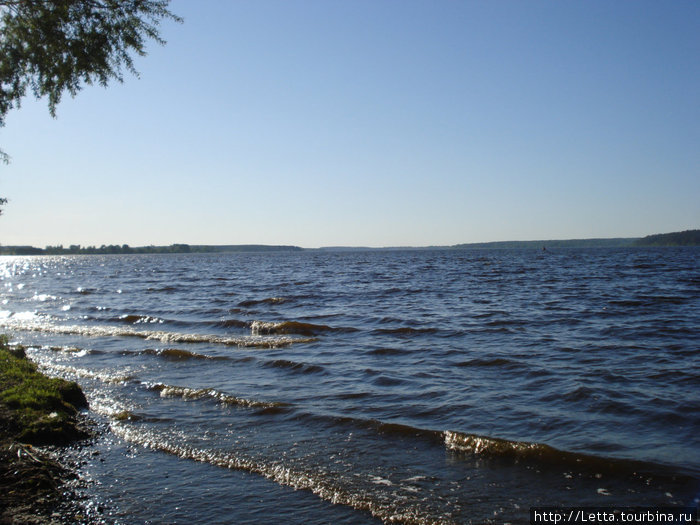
<point>50,47</point>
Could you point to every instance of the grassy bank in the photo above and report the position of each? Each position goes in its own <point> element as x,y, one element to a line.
<point>34,410</point>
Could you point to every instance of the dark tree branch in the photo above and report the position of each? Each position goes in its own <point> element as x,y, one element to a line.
<point>52,47</point>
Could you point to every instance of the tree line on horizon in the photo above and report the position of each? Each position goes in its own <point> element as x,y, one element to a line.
<point>684,238</point>
<point>76,249</point>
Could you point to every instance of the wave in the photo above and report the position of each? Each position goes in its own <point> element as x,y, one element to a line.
<point>296,367</point>
<point>496,361</point>
<point>649,300</point>
<point>384,380</point>
<point>407,330</point>
<point>291,327</point>
<point>387,351</point>
<point>164,289</point>
<point>507,322</point>
<point>388,498</point>
<point>165,337</point>
<point>383,505</point>
<point>376,425</point>
<point>174,354</point>
<point>231,323</point>
<point>490,313</point>
<point>269,300</point>
<point>68,350</point>
<point>211,393</point>
<point>404,291</point>
<point>547,456</point>
<point>352,395</point>
<point>106,376</point>
<point>514,452</point>
<point>138,319</point>
<point>663,299</point>
<point>10,318</point>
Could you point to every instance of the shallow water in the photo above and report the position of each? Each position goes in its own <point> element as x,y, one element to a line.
<point>412,386</point>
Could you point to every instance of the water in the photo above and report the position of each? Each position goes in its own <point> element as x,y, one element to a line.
<point>406,386</point>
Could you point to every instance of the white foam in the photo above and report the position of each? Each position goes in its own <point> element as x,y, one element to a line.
<point>378,480</point>
<point>106,376</point>
<point>44,297</point>
<point>258,327</point>
<point>25,316</point>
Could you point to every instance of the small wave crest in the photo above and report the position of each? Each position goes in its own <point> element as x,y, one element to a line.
<point>231,323</point>
<point>406,331</point>
<point>387,351</point>
<point>269,300</point>
<point>78,352</point>
<point>138,319</point>
<point>547,456</point>
<point>163,289</point>
<point>288,327</point>
<point>106,376</point>
<point>211,393</point>
<point>495,447</point>
<point>176,354</point>
<point>10,318</point>
<point>165,337</point>
<point>294,366</point>
<point>382,427</point>
<point>496,362</point>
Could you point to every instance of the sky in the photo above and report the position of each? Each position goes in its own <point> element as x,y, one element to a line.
<point>373,123</point>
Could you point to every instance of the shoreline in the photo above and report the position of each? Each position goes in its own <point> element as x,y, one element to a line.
<point>36,484</point>
<point>39,418</point>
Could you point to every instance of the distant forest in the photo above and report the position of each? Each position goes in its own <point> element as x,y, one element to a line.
<point>685,238</point>
<point>76,249</point>
<point>568,243</point>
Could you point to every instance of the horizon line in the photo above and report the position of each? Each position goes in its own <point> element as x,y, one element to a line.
<point>339,246</point>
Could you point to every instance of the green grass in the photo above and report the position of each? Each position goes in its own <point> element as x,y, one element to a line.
<point>39,409</point>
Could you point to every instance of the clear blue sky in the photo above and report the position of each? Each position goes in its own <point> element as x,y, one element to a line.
<point>375,123</point>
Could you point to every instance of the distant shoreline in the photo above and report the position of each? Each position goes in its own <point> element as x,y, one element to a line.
<point>684,238</point>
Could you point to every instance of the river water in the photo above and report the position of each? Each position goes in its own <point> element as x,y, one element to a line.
<point>373,386</point>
